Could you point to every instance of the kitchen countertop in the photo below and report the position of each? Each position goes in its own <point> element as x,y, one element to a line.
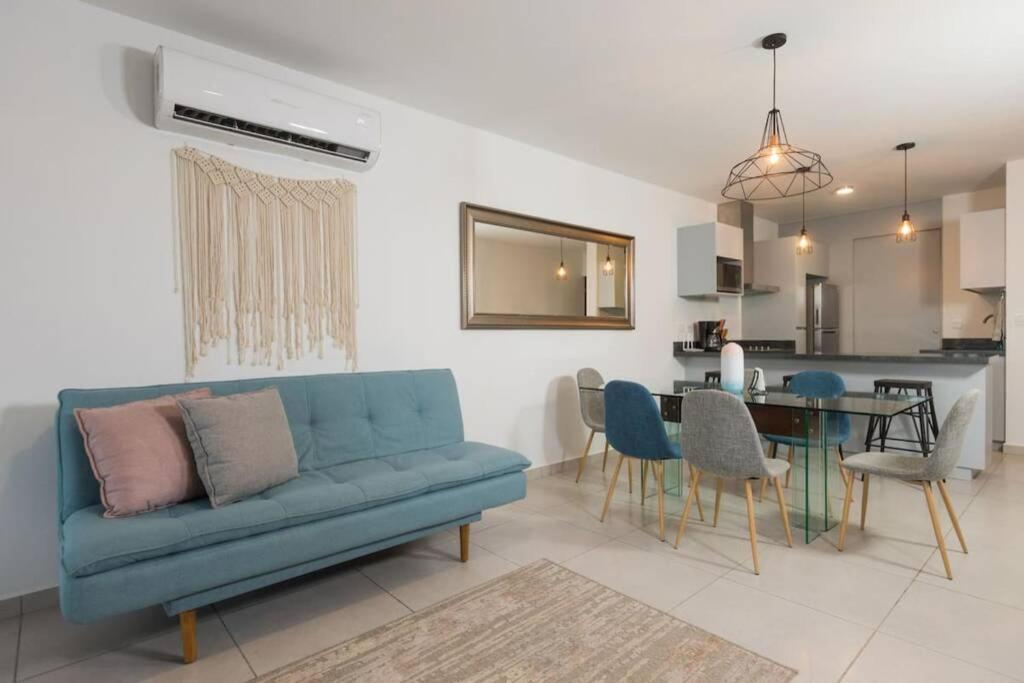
<point>942,358</point>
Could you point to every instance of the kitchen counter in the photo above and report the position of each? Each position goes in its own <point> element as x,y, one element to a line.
<point>951,374</point>
<point>936,357</point>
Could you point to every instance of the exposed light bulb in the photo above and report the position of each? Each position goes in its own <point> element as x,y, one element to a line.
<point>906,231</point>
<point>561,273</point>
<point>609,266</point>
<point>845,190</point>
<point>803,245</point>
<point>774,150</point>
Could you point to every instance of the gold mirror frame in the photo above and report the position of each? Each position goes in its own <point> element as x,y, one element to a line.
<point>471,213</point>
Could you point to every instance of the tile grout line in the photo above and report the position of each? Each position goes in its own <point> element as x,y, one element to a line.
<point>231,635</point>
<point>910,584</point>
<point>398,599</point>
<point>946,654</point>
<point>17,647</point>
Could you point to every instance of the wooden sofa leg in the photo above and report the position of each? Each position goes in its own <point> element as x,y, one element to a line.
<point>189,648</point>
<point>464,543</point>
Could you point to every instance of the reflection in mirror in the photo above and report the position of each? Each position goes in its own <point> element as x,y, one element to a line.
<point>520,271</point>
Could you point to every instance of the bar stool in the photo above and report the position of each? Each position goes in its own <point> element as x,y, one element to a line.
<point>713,377</point>
<point>923,417</point>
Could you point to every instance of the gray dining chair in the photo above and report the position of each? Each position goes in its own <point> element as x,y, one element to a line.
<point>924,471</point>
<point>592,411</point>
<point>722,441</point>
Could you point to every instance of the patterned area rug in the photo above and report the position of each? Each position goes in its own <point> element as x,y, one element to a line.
<point>539,623</point>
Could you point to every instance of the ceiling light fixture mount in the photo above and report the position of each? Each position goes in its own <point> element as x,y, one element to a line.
<point>906,232</point>
<point>772,171</point>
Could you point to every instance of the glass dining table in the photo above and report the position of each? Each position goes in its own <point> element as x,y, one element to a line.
<point>781,412</point>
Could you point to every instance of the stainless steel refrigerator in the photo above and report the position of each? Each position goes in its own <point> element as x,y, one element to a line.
<point>822,318</point>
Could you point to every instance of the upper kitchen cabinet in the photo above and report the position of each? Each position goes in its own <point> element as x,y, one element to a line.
<point>983,250</point>
<point>710,260</point>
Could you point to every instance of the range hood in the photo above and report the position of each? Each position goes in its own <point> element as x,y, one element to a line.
<point>740,214</point>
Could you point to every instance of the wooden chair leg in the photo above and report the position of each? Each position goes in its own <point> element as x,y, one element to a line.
<point>464,543</point>
<point>629,473</point>
<point>784,511</point>
<point>952,515</point>
<point>659,476</point>
<point>611,485</point>
<point>846,514</point>
<point>189,646</point>
<point>583,460</point>
<point>718,500</point>
<point>790,470</point>
<point>643,481</point>
<point>930,499</point>
<point>751,523</point>
<point>694,483</point>
<point>864,500</point>
<point>764,486</point>
<point>604,461</point>
<point>839,460</point>
<point>694,478</point>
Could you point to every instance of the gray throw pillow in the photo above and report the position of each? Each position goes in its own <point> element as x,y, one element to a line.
<point>242,443</point>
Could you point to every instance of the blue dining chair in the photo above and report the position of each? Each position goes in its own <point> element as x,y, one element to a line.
<point>634,428</point>
<point>815,384</point>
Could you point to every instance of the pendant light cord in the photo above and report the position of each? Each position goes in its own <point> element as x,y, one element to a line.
<point>803,200</point>
<point>905,180</point>
<point>773,78</point>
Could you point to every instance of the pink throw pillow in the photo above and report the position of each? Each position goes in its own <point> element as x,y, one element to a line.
<point>140,454</point>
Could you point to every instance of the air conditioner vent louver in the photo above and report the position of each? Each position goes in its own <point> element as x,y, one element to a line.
<point>212,120</point>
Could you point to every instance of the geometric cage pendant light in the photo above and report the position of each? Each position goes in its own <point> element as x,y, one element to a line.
<point>777,169</point>
<point>906,232</point>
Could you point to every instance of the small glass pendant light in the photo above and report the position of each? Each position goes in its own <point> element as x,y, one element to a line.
<point>609,266</point>
<point>906,232</point>
<point>561,273</point>
<point>803,245</point>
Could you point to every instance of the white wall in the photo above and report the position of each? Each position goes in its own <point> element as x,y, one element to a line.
<point>86,267</point>
<point>840,231</point>
<point>962,311</point>
<point>765,229</point>
<point>1014,306</point>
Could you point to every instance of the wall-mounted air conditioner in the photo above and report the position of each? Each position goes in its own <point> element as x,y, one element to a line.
<point>206,99</point>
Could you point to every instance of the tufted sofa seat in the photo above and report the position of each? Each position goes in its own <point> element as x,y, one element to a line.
<point>382,461</point>
<point>97,544</point>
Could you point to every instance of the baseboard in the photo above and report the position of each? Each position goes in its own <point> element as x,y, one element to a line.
<point>569,465</point>
<point>30,602</point>
<point>1013,449</point>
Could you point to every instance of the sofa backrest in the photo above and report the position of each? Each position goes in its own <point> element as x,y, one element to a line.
<point>334,419</point>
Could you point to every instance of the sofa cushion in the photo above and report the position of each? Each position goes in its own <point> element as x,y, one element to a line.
<point>334,419</point>
<point>92,544</point>
<point>140,454</point>
<point>242,443</point>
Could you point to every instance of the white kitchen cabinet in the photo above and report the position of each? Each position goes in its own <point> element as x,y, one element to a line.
<point>983,250</point>
<point>698,250</point>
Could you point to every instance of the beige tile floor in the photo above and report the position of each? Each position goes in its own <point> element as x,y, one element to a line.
<point>880,611</point>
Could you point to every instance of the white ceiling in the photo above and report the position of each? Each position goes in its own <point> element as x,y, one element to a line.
<point>674,91</point>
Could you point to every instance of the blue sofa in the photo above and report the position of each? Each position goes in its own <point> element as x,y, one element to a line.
<point>382,461</point>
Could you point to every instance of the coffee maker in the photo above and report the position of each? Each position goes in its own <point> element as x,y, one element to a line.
<point>709,334</point>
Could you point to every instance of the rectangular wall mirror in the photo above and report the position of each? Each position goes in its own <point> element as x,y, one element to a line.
<point>525,272</point>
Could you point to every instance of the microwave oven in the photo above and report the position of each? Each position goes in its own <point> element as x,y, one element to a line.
<point>730,276</point>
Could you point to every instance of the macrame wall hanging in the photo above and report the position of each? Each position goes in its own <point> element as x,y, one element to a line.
<point>268,265</point>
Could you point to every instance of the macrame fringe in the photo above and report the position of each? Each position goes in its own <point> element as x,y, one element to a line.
<point>269,262</point>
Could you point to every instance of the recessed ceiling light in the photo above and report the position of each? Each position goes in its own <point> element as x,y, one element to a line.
<point>845,189</point>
